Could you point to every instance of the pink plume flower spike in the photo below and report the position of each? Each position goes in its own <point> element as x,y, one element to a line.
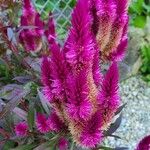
<point>118,27</point>
<point>54,123</point>
<point>78,105</point>
<point>109,99</point>
<point>63,143</point>
<point>106,11</point>
<point>112,19</point>
<point>80,45</point>
<point>92,134</point>
<point>95,18</point>
<point>59,71</point>
<point>47,79</point>
<point>97,75</point>
<point>41,123</point>
<point>21,129</point>
<point>53,74</point>
<point>32,30</point>
<point>119,54</point>
<point>50,32</point>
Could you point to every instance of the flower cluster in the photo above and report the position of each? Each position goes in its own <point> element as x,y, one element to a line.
<point>110,27</point>
<point>31,28</point>
<point>84,101</point>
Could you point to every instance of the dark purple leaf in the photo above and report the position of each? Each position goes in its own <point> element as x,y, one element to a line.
<point>34,63</point>
<point>44,101</point>
<point>121,148</point>
<point>114,126</point>
<point>9,91</point>
<point>21,113</point>
<point>16,97</point>
<point>120,109</point>
<point>23,79</point>
<point>115,136</point>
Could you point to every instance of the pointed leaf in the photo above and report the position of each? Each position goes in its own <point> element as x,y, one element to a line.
<point>114,126</point>
<point>44,101</point>
<point>120,109</point>
<point>21,113</point>
<point>31,118</point>
<point>121,148</point>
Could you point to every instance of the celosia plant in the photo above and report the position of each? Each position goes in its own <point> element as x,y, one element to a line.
<point>83,100</point>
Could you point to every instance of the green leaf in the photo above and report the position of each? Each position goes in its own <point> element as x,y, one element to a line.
<point>137,7</point>
<point>139,21</point>
<point>25,147</point>
<point>9,144</point>
<point>106,148</point>
<point>31,118</point>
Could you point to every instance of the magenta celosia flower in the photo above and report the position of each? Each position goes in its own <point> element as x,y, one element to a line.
<point>58,72</point>
<point>110,19</point>
<point>144,144</point>
<point>78,105</point>
<point>109,99</point>
<point>21,129</point>
<point>50,32</point>
<point>54,123</point>
<point>53,75</point>
<point>80,51</point>
<point>63,144</point>
<point>92,134</point>
<point>46,78</point>
<point>41,123</point>
<point>32,28</point>
<point>97,76</point>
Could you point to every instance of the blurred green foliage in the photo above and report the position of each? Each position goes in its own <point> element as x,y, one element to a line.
<point>139,10</point>
<point>145,68</point>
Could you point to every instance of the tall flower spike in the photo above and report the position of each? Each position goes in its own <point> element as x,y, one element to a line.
<point>92,134</point>
<point>78,105</point>
<point>47,79</point>
<point>32,28</point>
<point>112,19</point>
<point>109,99</point>
<point>50,32</point>
<point>80,45</point>
<point>80,57</point>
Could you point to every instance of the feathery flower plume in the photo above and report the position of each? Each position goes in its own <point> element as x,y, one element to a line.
<point>50,32</point>
<point>144,144</point>
<point>21,129</point>
<point>63,144</point>
<point>78,105</point>
<point>32,28</point>
<point>79,56</point>
<point>46,78</point>
<point>41,123</point>
<point>112,19</point>
<point>71,77</point>
<point>109,99</point>
<point>92,134</point>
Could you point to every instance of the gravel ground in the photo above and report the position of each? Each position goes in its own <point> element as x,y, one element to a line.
<point>136,116</point>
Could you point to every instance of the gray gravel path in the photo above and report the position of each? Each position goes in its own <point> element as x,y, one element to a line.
<point>136,116</point>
